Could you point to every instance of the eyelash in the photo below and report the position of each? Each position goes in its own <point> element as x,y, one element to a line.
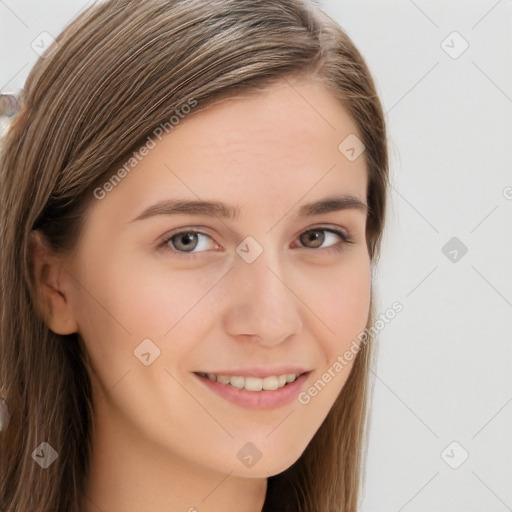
<point>338,247</point>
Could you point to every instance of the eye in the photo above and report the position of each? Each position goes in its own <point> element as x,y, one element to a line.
<point>188,241</point>
<point>315,238</point>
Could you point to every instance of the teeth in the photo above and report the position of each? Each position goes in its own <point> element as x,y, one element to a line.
<point>270,383</point>
<point>252,383</point>
<point>237,382</point>
<point>223,379</point>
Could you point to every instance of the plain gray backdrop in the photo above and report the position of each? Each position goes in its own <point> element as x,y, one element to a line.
<point>442,411</point>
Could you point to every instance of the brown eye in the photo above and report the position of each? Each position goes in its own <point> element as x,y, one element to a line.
<point>315,238</point>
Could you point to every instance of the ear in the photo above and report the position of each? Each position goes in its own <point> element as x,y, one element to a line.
<point>50,281</point>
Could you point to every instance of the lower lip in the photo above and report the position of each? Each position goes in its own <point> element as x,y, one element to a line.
<point>260,400</point>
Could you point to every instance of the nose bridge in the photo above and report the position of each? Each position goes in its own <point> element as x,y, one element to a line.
<point>264,305</point>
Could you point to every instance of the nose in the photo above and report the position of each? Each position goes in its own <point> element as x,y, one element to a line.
<point>263,306</point>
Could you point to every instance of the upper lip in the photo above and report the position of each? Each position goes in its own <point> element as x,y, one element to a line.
<point>259,372</point>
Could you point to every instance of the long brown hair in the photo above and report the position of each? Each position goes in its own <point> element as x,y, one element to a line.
<point>119,70</point>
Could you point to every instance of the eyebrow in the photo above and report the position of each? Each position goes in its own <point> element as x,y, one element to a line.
<point>221,210</point>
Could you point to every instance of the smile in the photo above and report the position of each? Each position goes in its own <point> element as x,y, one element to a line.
<point>258,393</point>
<point>270,383</point>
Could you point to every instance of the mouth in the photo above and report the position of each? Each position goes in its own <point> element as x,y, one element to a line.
<point>266,392</point>
<point>254,384</point>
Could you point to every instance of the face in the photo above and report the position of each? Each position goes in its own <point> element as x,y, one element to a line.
<point>256,293</point>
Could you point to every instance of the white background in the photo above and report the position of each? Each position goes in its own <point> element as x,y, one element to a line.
<point>444,362</point>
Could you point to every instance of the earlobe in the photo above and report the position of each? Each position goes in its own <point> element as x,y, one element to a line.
<point>50,284</point>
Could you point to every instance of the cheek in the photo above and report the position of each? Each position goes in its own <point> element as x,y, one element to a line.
<point>164,301</point>
<point>144,300</point>
<point>342,302</point>
<point>340,297</point>
<point>134,303</point>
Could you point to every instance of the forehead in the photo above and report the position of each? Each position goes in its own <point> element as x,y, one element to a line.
<point>260,150</point>
<point>290,119</point>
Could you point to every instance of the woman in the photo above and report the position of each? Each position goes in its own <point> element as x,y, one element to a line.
<point>193,196</point>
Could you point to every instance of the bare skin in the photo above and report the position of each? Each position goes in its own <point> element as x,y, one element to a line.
<point>163,440</point>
